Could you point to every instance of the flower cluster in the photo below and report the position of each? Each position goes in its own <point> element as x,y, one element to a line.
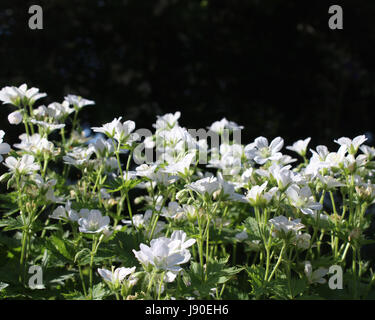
<point>227,220</point>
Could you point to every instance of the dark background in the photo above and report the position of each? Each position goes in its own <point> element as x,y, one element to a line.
<point>273,66</point>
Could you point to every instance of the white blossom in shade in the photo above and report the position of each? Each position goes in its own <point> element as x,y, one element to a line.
<point>122,132</point>
<point>303,240</point>
<point>285,159</point>
<point>47,187</point>
<point>179,241</point>
<point>34,144</point>
<point>22,94</point>
<point>4,147</point>
<point>302,199</point>
<point>172,211</point>
<point>336,159</point>
<point>15,117</point>
<point>300,146</point>
<point>351,145</point>
<point>206,185</point>
<point>283,226</point>
<point>77,101</point>
<point>283,175</point>
<point>64,212</point>
<point>78,156</point>
<point>165,254</point>
<point>24,165</point>
<point>102,147</point>
<point>167,121</point>
<point>49,127</point>
<point>241,235</point>
<point>117,275</point>
<point>180,166</point>
<point>219,126</point>
<point>93,223</point>
<point>260,151</point>
<point>228,190</point>
<point>330,182</point>
<point>143,221</point>
<point>257,197</point>
<point>75,216</point>
<point>316,276</point>
<point>368,151</point>
<point>60,110</point>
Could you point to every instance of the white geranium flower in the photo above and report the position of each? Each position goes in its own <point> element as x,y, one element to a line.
<point>117,275</point>
<point>241,235</point>
<point>179,241</point>
<point>4,147</point>
<point>302,199</point>
<point>77,101</point>
<point>122,132</point>
<point>283,226</point>
<point>49,127</point>
<point>303,240</point>
<point>206,185</point>
<point>34,144</point>
<point>165,254</point>
<point>315,276</point>
<point>24,165</point>
<point>93,223</point>
<point>167,121</point>
<point>172,211</point>
<point>330,182</point>
<point>78,156</point>
<point>368,151</point>
<point>261,152</point>
<point>180,166</point>
<point>15,117</point>
<point>351,145</point>
<point>300,146</point>
<point>20,95</point>
<point>219,126</point>
<point>64,212</point>
<point>257,197</point>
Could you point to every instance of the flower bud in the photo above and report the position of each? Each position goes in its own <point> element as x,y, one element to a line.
<point>15,117</point>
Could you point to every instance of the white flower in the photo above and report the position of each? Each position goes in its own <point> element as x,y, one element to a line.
<point>368,151</point>
<point>16,96</point>
<point>283,226</point>
<point>166,253</point>
<point>219,126</point>
<point>206,185</point>
<point>94,222</point>
<point>35,144</point>
<point>48,126</point>
<point>300,146</point>
<point>351,145</point>
<point>78,156</point>
<point>179,241</point>
<point>167,121</point>
<point>317,275</point>
<point>15,117</point>
<point>77,101</point>
<point>261,152</point>
<point>172,210</point>
<point>4,147</point>
<point>241,235</point>
<point>64,212</point>
<point>122,132</point>
<point>257,197</point>
<point>116,275</point>
<point>303,240</point>
<point>330,182</point>
<point>179,166</point>
<point>228,189</point>
<point>302,199</point>
<point>24,165</point>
